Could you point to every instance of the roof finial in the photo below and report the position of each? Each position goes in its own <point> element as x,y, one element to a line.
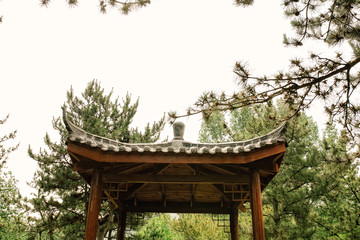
<point>179,129</point>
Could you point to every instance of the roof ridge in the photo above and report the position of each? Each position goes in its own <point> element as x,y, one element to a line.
<point>77,134</point>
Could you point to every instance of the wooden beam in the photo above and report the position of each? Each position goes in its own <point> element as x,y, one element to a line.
<point>241,204</point>
<point>111,199</point>
<point>178,207</point>
<point>137,187</point>
<point>74,157</point>
<point>256,205</point>
<point>121,225</point>
<point>278,157</point>
<point>128,168</point>
<point>234,225</point>
<point>176,179</point>
<point>94,206</point>
<point>220,191</point>
<point>98,155</point>
<point>140,186</point>
<point>191,168</point>
<point>87,166</point>
<point>242,208</point>
<point>80,169</point>
<point>218,169</point>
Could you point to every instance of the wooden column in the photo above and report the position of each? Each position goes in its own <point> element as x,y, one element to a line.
<point>234,224</point>
<point>121,225</point>
<point>256,205</point>
<point>92,220</point>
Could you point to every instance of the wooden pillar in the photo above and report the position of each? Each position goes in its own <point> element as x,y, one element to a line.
<point>92,220</point>
<point>256,205</point>
<point>121,225</point>
<point>234,224</point>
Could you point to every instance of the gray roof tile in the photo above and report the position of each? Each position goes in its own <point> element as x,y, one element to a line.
<point>77,134</point>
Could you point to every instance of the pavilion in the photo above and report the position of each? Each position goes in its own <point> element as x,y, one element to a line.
<point>176,176</point>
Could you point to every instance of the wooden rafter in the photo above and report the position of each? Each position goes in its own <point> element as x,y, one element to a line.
<point>128,168</point>
<point>191,168</point>
<point>74,157</point>
<point>140,186</point>
<point>219,190</point>
<point>278,157</point>
<point>218,169</point>
<point>112,200</point>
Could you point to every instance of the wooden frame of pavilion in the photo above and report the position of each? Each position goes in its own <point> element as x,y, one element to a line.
<point>176,176</point>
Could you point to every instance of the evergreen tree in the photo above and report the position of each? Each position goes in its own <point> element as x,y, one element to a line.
<point>337,212</point>
<point>62,193</point>
<point>317,181</point>
<point>157,227</point>
<point>12,212</point>
<point>11,207</point>
<point>198,227</point>
<point>4,150</point>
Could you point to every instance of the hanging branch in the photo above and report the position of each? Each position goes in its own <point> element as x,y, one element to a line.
<point>333,80</point>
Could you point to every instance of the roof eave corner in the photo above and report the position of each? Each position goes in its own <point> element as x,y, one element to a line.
<point>66,120</point>
<point>282,130</point>
<point>71,127</point>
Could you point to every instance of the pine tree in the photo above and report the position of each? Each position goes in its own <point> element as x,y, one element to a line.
<point>11,206</point>
<point>5,151</point>
<point>317,182</point>
<point>62,193</point>
<point>12,212</point>
<point>337,213</point>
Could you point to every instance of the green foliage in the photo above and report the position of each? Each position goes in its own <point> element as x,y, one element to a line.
<point>317,186</point>
<point>157,228</point>
<point>11,207</point>
<point>292,192</point>
<point>338,210</point>
<point>214,132</point>
<point>4,150</point>
<point>197,227</point>
<point>61,200</point>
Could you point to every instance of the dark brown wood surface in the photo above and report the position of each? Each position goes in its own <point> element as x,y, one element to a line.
<point>256,205</point>
<point>234,224</point>
<point>94,206</point>
<point>121,225</point>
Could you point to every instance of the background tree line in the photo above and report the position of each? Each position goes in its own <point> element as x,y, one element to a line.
<point>314,196</point>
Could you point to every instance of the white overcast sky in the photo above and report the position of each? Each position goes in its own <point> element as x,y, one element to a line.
<point>167,54</point>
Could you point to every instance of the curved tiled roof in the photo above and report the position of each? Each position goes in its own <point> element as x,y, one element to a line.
<point>77,134</point>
